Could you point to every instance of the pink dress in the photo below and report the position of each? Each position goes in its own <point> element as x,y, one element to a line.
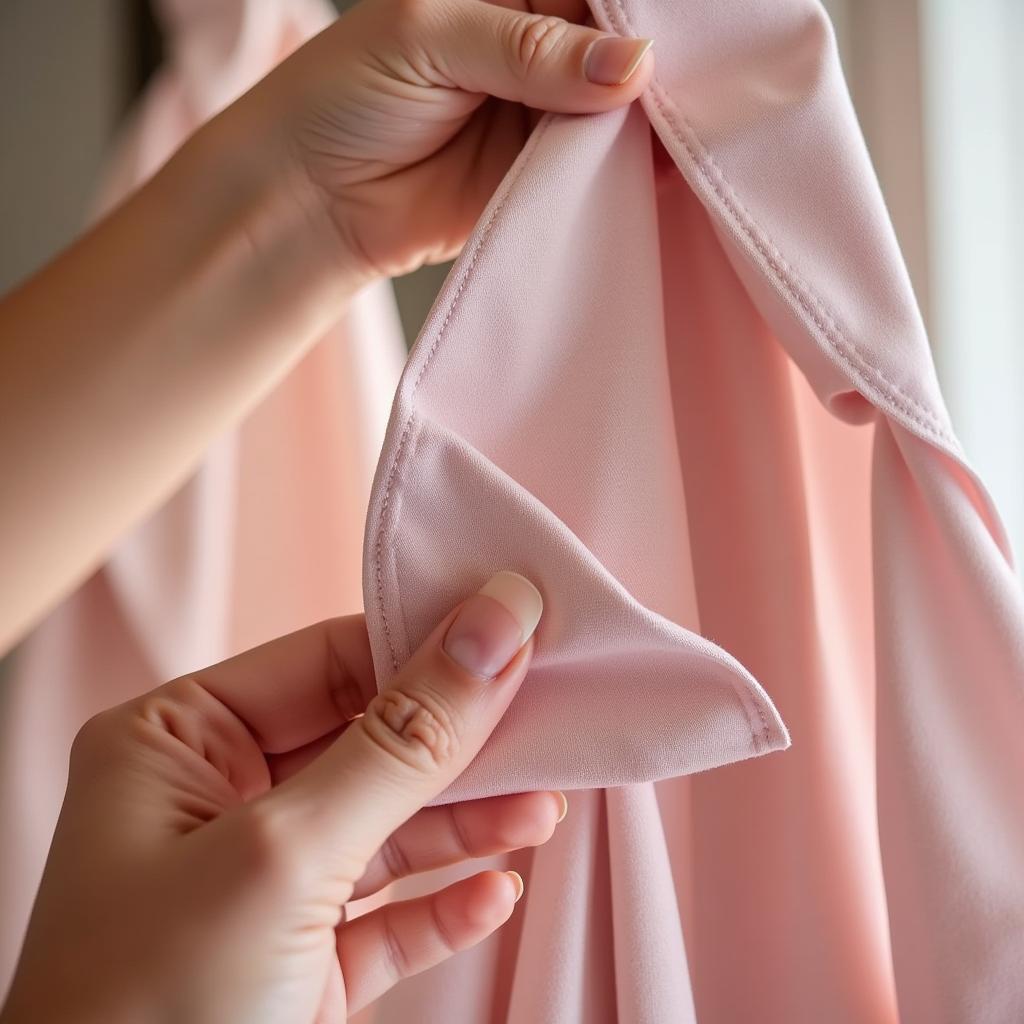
<point>679,380</point>
<point>265,538</point>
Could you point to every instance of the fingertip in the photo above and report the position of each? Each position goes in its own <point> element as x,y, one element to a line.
<point>562,802</point>
<point>610,72</point>
<point>632,88</point>
<point>615,60</point>
<point>641,77</point>
<point>521,820</point>
<point>401,939</point>
<point>518,884</point>
<point>515,671</point>
<point>485,901</point>
<point>494,624</point>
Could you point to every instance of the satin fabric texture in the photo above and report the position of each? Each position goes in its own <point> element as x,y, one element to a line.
<point>678,379</point>
<point>263,539</point>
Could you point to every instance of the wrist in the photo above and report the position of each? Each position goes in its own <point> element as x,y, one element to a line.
<point>261,212</point>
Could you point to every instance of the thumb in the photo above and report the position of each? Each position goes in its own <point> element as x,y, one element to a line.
<point>421,731</point>
<point>535,59</point>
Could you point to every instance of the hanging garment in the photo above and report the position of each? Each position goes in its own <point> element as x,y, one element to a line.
<point>679,380</point>
<point>263,539</point>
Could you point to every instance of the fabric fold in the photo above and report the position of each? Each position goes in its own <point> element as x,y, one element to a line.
<point>691,706</point>
<point>683,340</point>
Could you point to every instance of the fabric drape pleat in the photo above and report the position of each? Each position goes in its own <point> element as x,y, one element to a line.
<point>679,380</point>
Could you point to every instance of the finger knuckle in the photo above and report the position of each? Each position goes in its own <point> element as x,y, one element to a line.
<point>441,930</point>
<point>537,40</point>
<point>95,736</point>
<point>459,834</point>
<point>262,841</point>
<point>419,729</point>
<point>165,709</point>
<point>404,15</point>
<point>411,19</point>
<point>396,860</point>
<point>394,950</point>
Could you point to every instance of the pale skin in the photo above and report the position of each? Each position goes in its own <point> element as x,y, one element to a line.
<point>214,829</point>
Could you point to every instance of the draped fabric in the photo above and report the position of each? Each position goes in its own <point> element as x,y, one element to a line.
<point>679,380</point>
<point>263,539</point>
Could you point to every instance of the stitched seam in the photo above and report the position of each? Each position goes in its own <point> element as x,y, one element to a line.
<point>798,289</point>
<point>379,545</point>
<point>485,230</point>
<point>764,722</point>
<point>747,699</point>
<point>783,271</point>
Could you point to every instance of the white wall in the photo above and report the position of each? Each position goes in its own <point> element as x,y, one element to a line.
<point>939,89</point>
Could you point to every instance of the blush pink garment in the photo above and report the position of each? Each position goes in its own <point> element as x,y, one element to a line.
<point>263,539</point>
<point>679,380</point>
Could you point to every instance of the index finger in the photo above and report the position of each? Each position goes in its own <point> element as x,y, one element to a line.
<point>299,687</point>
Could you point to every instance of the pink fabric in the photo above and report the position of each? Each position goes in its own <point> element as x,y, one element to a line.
<point>678,379</point>
<point>263,539</point>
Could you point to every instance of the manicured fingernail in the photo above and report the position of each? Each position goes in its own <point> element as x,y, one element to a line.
<point>612,60</point>
<point>563,802</point>
<point>494,624</point>
<point>517,881</point>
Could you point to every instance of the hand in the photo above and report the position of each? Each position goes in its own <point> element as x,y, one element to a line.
<point>372,150</point>
<point>214,828</point>
<point>388,115</point>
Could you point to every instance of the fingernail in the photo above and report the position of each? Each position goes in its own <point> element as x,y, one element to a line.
<point>563,802</point>
<point>494,624</point>
<point>517,881</point>
<point>611,60</point>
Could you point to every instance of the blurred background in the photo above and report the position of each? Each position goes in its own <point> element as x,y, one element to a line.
<point>938,85</point>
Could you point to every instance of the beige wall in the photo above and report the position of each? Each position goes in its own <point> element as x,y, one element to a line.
<point>63,70</point>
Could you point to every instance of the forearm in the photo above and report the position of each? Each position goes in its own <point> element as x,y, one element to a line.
<point>121,360</point>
